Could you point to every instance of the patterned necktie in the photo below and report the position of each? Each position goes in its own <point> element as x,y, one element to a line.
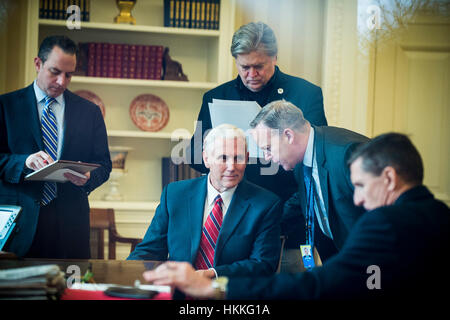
<point>50,139</point>
<point>211,229</point>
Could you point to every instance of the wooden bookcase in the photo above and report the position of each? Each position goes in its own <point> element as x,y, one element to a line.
<point>206,60</point>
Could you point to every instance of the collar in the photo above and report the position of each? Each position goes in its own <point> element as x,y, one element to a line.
<point>415,193</point>
<point>308,158</point>
<point>227,195</point>
<point>40,95</point>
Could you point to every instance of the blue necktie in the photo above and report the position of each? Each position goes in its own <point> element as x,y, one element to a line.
<point>50,139</point>
<point>309,186</point>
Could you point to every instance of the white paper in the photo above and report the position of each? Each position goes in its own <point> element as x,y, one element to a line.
<point>239,114</point>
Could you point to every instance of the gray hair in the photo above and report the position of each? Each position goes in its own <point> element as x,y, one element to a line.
<point>279,115</point>
<point>254,36</point>
<point>223,131</point>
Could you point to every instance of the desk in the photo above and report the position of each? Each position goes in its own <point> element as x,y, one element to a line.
<point>104,271</point>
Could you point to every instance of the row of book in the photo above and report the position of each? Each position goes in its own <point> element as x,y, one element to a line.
<point>98,59</point>
<point>57,9</point>
<point>195,14</point>
<point>175,172</point>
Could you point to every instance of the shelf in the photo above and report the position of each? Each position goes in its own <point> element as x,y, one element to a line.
<point>134,28</point>
<point>145,83</point>
<point>125,205</point>
<point>149,135</point>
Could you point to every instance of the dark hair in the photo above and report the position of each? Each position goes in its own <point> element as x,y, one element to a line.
<point>390,149</point>
<point>65,43</point>
<point>254,36</point>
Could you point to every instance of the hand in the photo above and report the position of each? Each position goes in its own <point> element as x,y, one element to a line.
<point>38,160</point>
<point>183,276</point>
<point>78,181</point>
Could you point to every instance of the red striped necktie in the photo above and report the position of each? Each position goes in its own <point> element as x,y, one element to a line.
<point>211,229</point>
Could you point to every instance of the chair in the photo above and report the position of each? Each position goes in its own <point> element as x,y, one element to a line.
<point>101,220</point>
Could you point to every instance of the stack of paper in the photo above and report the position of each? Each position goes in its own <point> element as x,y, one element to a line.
<point>238,113</point>
<point>32,283</point>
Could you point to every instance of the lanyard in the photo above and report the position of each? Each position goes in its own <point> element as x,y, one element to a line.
<point>310,207</point>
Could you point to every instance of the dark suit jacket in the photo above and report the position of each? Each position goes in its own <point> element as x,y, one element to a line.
<point>84,140</point>
<point>406,240</point>
<point>305,95</point>
<point>333,147</point>
<point>249,240</point>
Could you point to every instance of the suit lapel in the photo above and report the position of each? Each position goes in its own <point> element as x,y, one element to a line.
<point>70,123</point>
<point>195,206</point>
<point>34,123</point>
<point>298,174</point>
<point>238,208</point>
<point>321,160</point>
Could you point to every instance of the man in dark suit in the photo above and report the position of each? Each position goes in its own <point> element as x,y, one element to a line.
<point>254,48</point>
<point>248,240</point>
<point>393,251</point>
<point>287,138</point>
<point>38,125</point>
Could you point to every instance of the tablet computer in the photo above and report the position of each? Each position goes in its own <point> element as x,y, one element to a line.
<point>55,171</point>
<point>8,221</point>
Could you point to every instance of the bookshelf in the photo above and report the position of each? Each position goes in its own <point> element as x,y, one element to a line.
<point>205,58</point>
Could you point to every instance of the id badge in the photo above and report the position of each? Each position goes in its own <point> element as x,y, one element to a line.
<point>307,256</point>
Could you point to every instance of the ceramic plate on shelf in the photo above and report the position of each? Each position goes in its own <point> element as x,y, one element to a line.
<point>149,112</point>
<point>92,97</point>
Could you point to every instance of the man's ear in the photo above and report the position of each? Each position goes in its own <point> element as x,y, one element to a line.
<point>205,159</point>
<point>37,64</point>
<point>390,178</point>
<point>289,134</point>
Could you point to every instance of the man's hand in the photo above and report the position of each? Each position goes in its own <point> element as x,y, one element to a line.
<point>183,276</point>
<point>38,160</point>
<point>78,181</point>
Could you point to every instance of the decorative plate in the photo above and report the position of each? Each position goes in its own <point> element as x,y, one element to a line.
<point>92,97</point>
<point>149,112</point>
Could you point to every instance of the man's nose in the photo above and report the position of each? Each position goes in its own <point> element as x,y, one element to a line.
<point>357,199</point>
<point>62,80</point>
<point>252,72</point>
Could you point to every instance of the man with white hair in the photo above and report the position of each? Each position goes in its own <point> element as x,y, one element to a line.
<point>219,222</point>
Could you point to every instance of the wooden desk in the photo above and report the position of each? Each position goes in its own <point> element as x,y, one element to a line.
<point>104,271</point>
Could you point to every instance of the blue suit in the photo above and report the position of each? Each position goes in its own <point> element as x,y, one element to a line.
<point>249,240</point>
<point>84,140</point>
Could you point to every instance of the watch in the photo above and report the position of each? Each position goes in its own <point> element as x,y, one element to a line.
<point>220,287</point>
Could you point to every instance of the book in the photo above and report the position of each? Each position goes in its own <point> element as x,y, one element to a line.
<point>118,58</point>
<point>57,9</point>
<point>176,170</point>
<point>55,171</point>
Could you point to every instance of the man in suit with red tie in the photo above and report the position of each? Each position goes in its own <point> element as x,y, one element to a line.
<point>220,223</point>
<point>40,124</point>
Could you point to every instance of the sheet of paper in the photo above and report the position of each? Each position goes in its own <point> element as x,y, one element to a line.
<point>238,113</point>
